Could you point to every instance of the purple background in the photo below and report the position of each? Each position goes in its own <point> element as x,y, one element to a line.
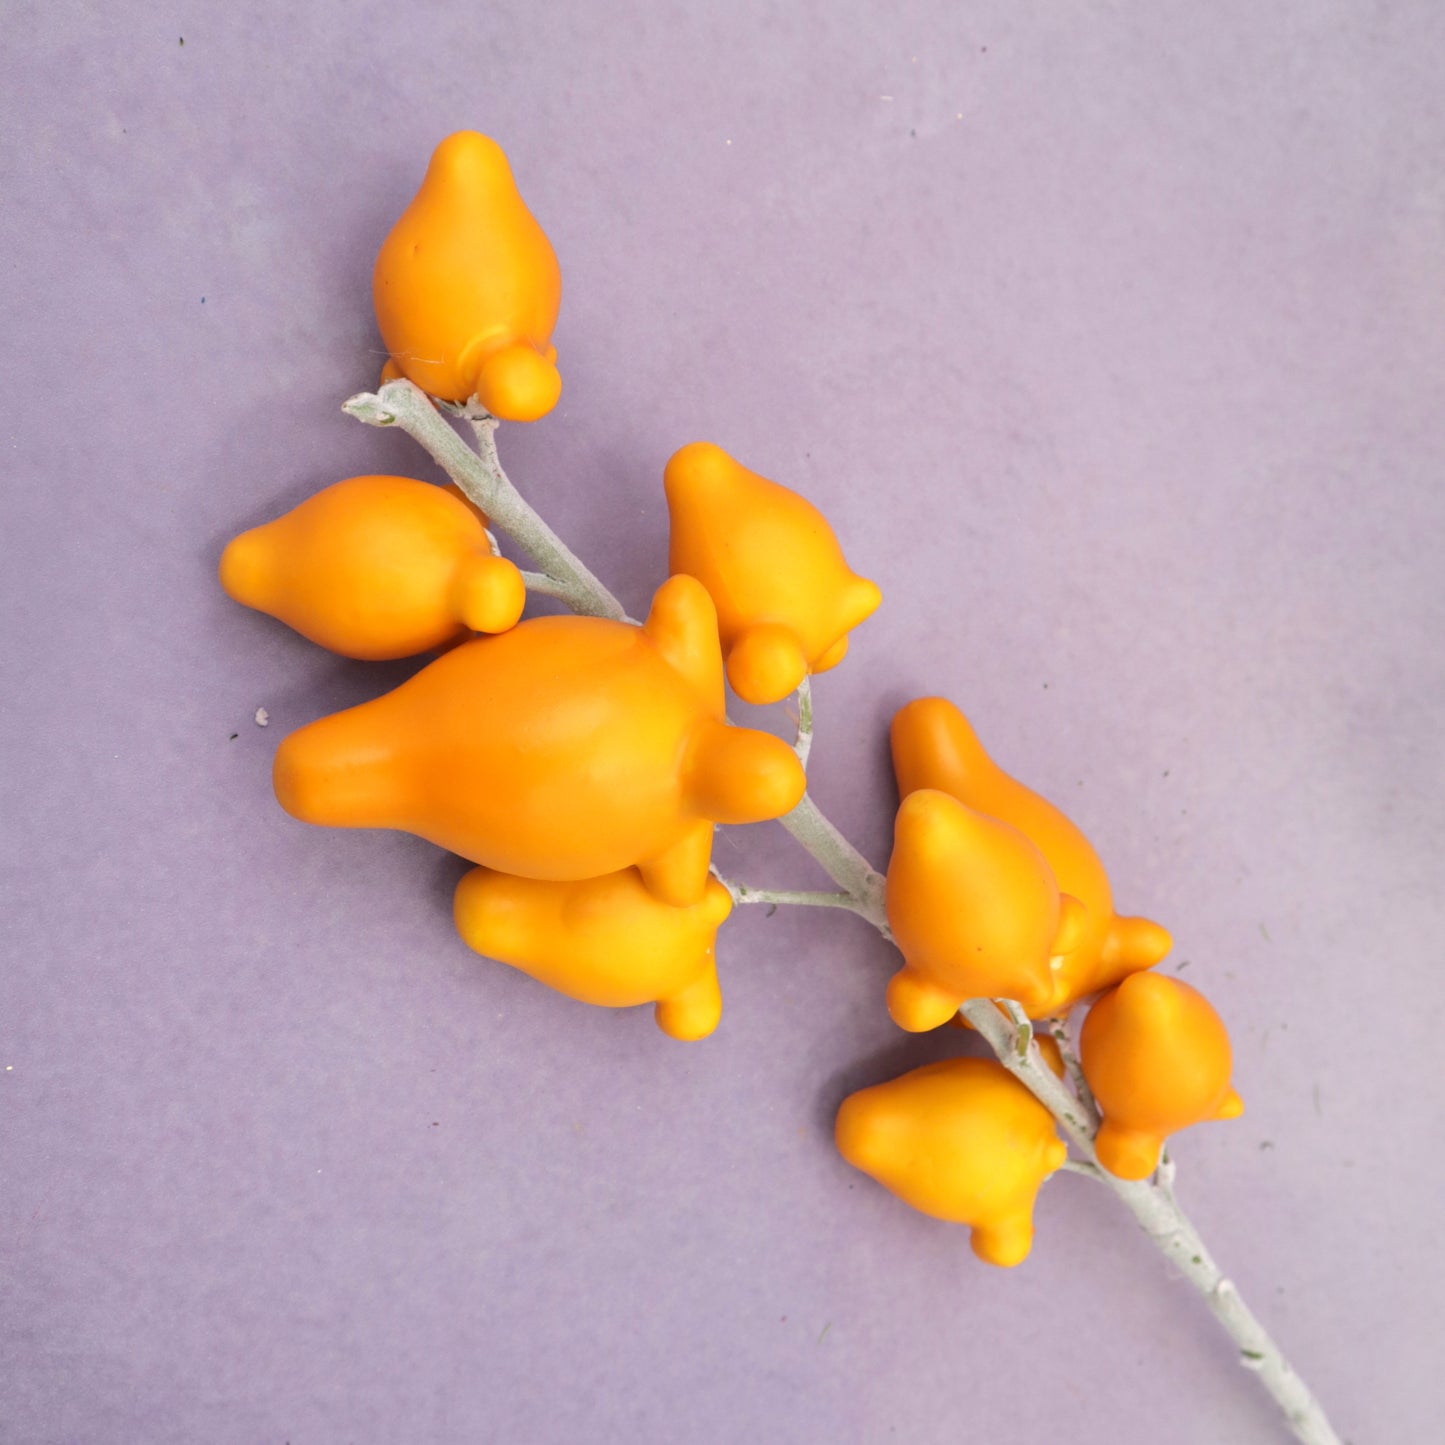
<point>1112,341</point>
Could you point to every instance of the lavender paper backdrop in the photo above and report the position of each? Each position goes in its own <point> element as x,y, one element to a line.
<point>1112,340</point>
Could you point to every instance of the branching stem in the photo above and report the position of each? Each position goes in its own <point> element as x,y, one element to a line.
<point>787,897</point>
<point>1000,1023</point>
<point>480,476</point>
<point>1063,1037</point>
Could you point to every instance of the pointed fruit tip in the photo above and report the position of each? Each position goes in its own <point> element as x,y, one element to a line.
<point>242,568</point>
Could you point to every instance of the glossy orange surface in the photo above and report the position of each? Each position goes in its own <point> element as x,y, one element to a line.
<point>376,567</point>
<point>961,1140</point>
<point>974,910</point>
<point>786,599</point>
<point>1157,1058</point>
<point>466,287</point>
<point>934,746</point>
<point>602,940</point>
<point>566,748</point>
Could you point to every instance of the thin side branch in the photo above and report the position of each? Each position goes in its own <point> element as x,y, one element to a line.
<point>840,860</point>
<point>787,897</point>
<point>545,586</point>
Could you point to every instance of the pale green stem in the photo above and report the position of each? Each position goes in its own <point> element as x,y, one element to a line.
<point>1010,1035</point>
<point>788,897</point>
<point>803,742</point>
<point>545,586</point>
<point>840,860</point>
<point>481,478</point>
<point>1158,1213</point>
<point>1063,1037</point>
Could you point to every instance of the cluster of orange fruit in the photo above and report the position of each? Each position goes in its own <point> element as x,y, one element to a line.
<point>993,893</point>
<point>582,763</point>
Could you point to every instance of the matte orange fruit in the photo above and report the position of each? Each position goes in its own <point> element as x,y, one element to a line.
<point>466,287</point>
<point>1157,1058</point>
<point>961,1140</point>
<point>376,567</point>
<point>786,599</point>
<point>566,748</point>
<point>602,940</point>
<point>974,909</point>
<point>935,747</point>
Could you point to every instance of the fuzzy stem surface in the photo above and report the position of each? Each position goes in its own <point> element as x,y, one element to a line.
<point>480,476</point>
<point>789,897</point>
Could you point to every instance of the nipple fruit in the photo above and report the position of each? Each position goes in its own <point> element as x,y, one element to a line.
<point>466,287</point>
<point>602,940</point>
<point>1157,1058</point>
<point>935,747</point>
<point>974,910</point>
<point>376,567</point>
<point>961,1140</point>
<point>564,749</point>
<point>786,600</point>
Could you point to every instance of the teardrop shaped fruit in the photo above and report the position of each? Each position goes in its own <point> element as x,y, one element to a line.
<point>974,909</point>
<point>376,567</point>
<point>603,941</point>
<point>961,1140</point>
<point>466,287</point>
<point>1157,1058</point>
<point>934,746</point>
<point>566,748</point>
<point>786,599</point>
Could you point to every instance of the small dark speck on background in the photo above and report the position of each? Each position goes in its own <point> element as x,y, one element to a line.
<point>234,736</point>
<point>1181,965</point>
<point>183,39</point>
<point>1266,1144</point>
